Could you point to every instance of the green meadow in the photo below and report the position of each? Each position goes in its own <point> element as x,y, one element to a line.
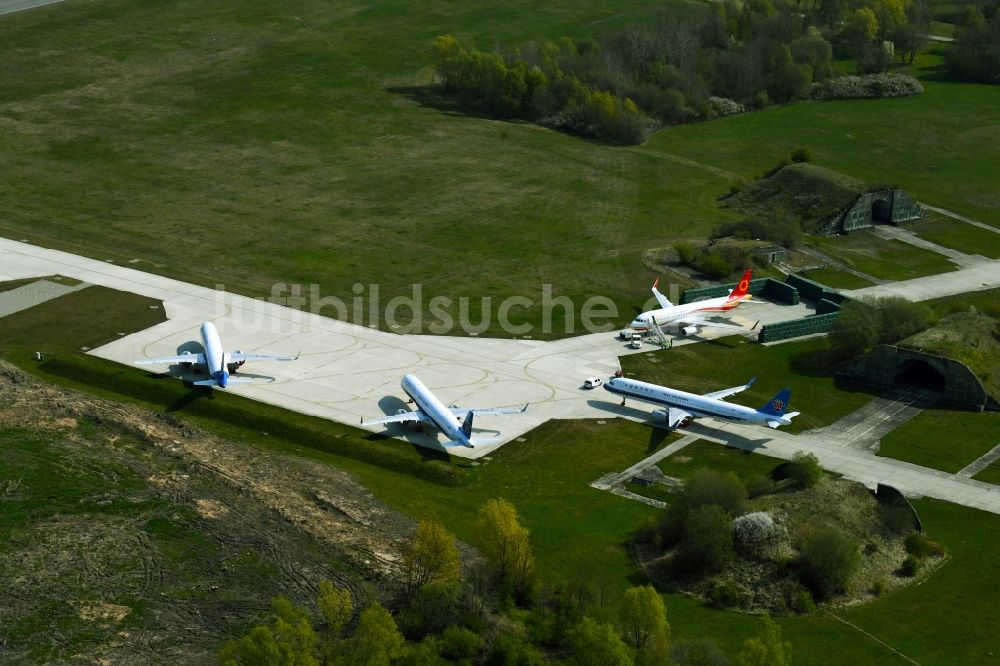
<point>254,145</point>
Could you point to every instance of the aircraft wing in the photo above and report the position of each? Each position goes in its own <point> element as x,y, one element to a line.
<point>495,411</point>
<point>416,415</point>
<point>198,359</point>
<point>708,323</point>
<point>236,357</point>
<point>675,416</point>
<point>725,393</point>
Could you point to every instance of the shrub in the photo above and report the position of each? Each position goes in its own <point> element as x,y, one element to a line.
<point>755,533</point>
<point>827,560</point>
<point>802,154</point>
<point>866,87</point>
<point>919,546</point>
<point>722,106</point>
<point>878,589</point>
<point>685,253</point>
<point>802,600</point>
<point>910,566</point>
<point>706,487</point>
<point>707,544</point>
<point>804,470</point>
<point>459,643</point>
<point>758,484</point>
<point>726,594</point>
<point>714,266</point>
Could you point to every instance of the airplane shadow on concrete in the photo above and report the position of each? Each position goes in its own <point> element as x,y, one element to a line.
<point>660,429</point>
<point>731,439</point>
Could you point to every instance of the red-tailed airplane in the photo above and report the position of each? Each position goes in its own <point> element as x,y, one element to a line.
<point>694,314</point>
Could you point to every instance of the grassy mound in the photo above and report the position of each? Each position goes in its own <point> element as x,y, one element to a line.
<point>814,192</point>
<point>972,337</point>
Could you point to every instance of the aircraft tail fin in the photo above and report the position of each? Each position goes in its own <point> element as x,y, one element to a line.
<point>777,405</point>
<point>467,424</point>
<point>742,287</point>
<point>663,300</point>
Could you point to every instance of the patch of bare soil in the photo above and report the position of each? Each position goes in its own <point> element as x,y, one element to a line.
<point>189,551</point>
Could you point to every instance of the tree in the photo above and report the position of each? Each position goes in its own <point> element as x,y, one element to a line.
<point>707,487</point>
<point>855,330</point>
<point>257,648</point>
<point>707,544</point>
<point>827,560</point>
<point>899,318</point>
<point>596,644</point>
<point>377,641</point>
<point>643,619</point>
<point>430,555</point>
<point>287,639</point>
<point>336,605</point>
<point>804,470</point>
<point>337,608</point>
<point>506,543</point>
<point>767,649</point>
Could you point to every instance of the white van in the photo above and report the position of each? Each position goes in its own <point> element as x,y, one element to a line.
<point>592,382</point>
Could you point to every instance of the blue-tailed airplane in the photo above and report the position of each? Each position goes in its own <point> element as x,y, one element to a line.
<point>216,362</point>
<point>682,407</point>
<point>454,422</point>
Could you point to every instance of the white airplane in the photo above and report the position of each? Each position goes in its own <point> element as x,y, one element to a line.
<point>448,420</point>
<point>682,407</point>
<point>217,362</point>
<point>693,314</point>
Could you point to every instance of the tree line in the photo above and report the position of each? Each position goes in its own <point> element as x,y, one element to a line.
<point>692,62</point>
<point>496,611</point>
<point>975,54</point>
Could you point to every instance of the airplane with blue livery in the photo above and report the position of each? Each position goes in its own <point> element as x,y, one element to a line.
<point>454,422</point>
<point>215,360</point>
<point>680,407</point>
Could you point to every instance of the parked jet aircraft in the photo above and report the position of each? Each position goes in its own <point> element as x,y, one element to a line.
<point>215,361</point>
<point>693,314</point>
<point>448,420</point>
<point>682,407</point>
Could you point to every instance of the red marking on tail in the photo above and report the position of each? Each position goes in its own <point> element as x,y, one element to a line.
<point>742,287</point>
<point>657,283</point>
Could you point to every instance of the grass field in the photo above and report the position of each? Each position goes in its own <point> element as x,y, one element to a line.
<point>709,455</point>
<point>943,439</point>
<point>959,236</point>
<point>831,277</point>
<point>991,474</point>
<point>222,125</point>
<point>710,366</point>
<point>881,258</point>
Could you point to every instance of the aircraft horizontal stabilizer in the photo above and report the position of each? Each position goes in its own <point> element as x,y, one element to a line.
<point>195,359</point>
<point>398,418</point>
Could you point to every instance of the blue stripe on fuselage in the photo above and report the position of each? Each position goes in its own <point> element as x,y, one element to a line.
<point>666,403</point>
